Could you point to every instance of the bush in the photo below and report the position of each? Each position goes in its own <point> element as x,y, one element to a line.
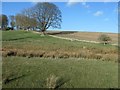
<point>104,39</point>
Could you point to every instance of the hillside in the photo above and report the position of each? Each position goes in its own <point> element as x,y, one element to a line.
<point>34,61</point>
<point>89,36</point>
<point>23,43</point>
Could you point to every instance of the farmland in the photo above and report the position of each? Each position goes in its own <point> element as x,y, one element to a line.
<point>89,36</point>
<point>29,59</point>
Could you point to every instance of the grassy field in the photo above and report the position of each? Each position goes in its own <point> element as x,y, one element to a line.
<point>23,43</point>
<point>90,36</point>
<point>32,60</point>
<point>22,72</point>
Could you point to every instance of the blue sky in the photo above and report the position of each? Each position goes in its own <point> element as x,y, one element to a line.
<point>82,16</point>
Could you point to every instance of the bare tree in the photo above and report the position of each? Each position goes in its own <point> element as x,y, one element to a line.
<point>19,19</point>
<point>47,15</point>
<point>12,23</point>
<point>25,21</point>
<point>30,22</point>
<point>42,15</point>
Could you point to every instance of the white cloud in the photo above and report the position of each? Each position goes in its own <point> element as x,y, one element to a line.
<point>34,1</point>
<point>85,5</point>
<point>72,2</point>
<point>98,13</point>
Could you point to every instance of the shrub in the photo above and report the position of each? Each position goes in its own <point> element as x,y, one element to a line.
<point>9,28</point>
<point>104,39</point>
<point>11,53</point>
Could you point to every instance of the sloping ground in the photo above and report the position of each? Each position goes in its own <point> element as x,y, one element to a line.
<point>89,36</point>
<point>29,44</point>
<point>29,59</point>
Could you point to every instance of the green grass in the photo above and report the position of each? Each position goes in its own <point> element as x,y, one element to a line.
<point>27,43</point>
<point>78,73</point>
<point>30,59</point>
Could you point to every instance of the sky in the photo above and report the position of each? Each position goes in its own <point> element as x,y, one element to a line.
<point>77,16</point>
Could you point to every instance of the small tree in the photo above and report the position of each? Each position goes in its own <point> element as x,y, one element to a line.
<point>104,39</point>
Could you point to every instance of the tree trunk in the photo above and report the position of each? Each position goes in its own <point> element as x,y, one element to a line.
<point>43,32</point>
<point>104,43</point>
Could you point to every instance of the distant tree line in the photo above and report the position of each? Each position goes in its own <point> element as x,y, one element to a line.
<point>41,16</point>
<point>3,21</point>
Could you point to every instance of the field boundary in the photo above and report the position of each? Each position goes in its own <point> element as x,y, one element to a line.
<point>71,39</point>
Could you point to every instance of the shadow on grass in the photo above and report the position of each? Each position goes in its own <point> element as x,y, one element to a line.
<point>62,32</point>
<point>10,78</point>
<point>17,39</point>
<point>61,81</point>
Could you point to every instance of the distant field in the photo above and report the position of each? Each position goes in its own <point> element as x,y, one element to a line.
<point>29,59</point>
<point>90,36</point>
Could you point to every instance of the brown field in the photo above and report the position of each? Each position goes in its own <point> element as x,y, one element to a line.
<point>90,36</point>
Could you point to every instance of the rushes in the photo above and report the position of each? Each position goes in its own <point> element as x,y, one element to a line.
<point>86,53</point>
<point>52,81</point>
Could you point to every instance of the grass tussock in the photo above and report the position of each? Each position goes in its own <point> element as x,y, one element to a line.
<point>52,81</point>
